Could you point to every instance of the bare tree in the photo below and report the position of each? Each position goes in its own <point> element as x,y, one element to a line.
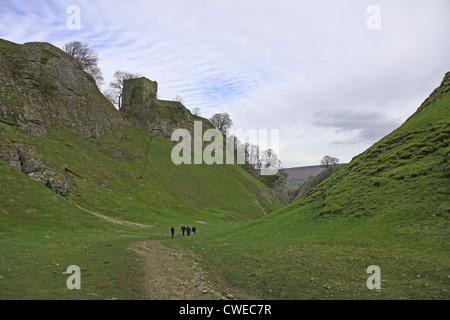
<point>116,86</point>
<point>269,159</point>
<point>258,163</point>
<point>222,121</point>
<point>111,96</point>
<point>178,98</point>
<point>255,156</point>
<point>196,111</point>
<point>328,161</point>
<point>87,57</point>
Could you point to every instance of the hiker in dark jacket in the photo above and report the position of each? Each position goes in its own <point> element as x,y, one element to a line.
<point>188,230</point>
<point>172,230</point>
<point>194,229</point>
<point>183,229</point>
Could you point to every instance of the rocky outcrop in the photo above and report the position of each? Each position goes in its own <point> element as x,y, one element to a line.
<point>25,159</point>
<point>45,92</point>
<point>41,87</point>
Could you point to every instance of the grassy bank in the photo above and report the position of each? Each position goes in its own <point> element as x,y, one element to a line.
<point>131,179</point>
<point>389,207</point>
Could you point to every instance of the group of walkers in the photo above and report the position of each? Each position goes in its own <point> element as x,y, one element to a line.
<point>184,230</point>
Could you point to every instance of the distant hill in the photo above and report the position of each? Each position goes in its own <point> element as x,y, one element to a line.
<point>302,174</point>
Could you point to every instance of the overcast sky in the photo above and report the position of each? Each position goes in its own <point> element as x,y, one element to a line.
<point>333,76</point>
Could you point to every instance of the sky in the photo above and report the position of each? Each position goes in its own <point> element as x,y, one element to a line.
<point>332,76</point>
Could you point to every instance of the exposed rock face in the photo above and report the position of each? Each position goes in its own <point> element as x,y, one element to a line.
<point>42,90</point>
<point>40,85</point>
<point>20,157</point>
<point>25,159</point>
<point>12,155</point>
<point>59,185</point>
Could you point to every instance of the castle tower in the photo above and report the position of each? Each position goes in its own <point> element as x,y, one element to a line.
<point>158,117</point>
<point>138,93</point>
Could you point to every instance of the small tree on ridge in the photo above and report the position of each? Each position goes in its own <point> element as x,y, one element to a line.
<point>87,57</point>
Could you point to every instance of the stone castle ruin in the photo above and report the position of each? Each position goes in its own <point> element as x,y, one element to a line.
<point>141,107</point>
<point>138,93</point>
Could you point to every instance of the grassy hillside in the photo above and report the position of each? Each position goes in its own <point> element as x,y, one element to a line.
<point>98,184</point>
<point>132,179</point>
<point>41,234</point>
<point>389,207</point>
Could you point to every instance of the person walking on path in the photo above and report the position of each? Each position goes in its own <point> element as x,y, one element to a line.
<point>194,229</point>
<point>172,230</point>
<point>188,230</point>
<point>183,229</point>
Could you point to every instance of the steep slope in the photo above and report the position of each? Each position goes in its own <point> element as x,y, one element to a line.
<point>79,182</point>
<point>389,207</point>
<point>40,85</point>
<point>80,142</point>
<point>408,170</point>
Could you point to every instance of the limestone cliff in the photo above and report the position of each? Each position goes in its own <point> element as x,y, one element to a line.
<point>44,89</point>
<point>41,86</point>
<point>45,92</point>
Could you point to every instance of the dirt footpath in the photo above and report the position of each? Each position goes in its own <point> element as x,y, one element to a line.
<point>174,274</point>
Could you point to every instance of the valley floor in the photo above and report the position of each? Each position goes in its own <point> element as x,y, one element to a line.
<point>175,274</point>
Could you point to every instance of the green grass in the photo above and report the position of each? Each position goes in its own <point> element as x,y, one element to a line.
<point>293,255</point>
<point>42,233</point>
<point>388,207</point>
